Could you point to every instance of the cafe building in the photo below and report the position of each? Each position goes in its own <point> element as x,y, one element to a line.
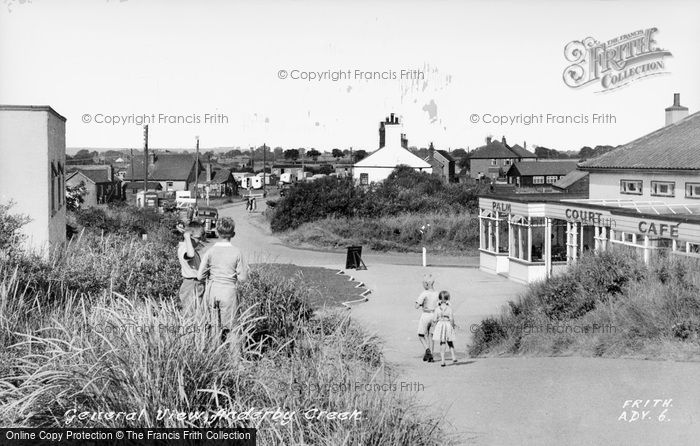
<point>643,196</point>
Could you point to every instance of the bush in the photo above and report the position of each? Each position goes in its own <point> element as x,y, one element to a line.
<point>405,191</point>
<point>626,307</point>
<point>10,225</point>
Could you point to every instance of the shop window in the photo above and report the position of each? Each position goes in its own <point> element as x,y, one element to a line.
<point>632,187</point>
<point>663,188</point>
<point>538,180</point>
<point>692,190</point>
<point>552,179</point>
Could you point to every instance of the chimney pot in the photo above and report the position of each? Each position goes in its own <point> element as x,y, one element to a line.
<point>503,139</point>
<point>488,140</point>
<point>676,99</point>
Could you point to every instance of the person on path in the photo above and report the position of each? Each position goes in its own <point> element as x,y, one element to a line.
<point>427,301</point>
<point>224,269</point>
<point>444,331</point>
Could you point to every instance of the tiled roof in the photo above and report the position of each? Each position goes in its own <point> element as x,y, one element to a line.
<point>570,179</point>
<point>494,149</point>
<point>95,175</point>
<point>168,167</point>
<point>531,168</point>
<point>522,152</point>
<point>676,146</point>
<point>221,176</point>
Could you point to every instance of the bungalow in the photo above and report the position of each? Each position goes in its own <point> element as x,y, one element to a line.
<point>540,173</point>
<point>98,182</point>
<point>443,164</point>
<point>393,152</point>
<point>495,158</point>
<point>223,184</point>
<point>174,172</point>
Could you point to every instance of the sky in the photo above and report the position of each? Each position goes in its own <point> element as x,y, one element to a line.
<point>182,61</point>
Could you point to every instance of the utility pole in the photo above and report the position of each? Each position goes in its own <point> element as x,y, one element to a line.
<point>145,162</point>
<point>196,169</point>
<point>133,178</point>
<point>264,159</point>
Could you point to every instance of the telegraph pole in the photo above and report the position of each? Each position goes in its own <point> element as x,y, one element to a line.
<point>133,178</point>
<point>196,169</point>
<point>264,150</point>
<point>145,162</point>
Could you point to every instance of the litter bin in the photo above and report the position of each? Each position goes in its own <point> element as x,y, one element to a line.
<point>354,258</point>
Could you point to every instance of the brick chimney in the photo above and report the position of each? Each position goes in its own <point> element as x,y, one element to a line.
<point>676,112</point>
<point>488,140</point>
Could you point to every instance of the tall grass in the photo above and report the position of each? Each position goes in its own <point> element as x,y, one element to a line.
<point>90,349</point>
<point>447,233</point>
<point>610,305</point>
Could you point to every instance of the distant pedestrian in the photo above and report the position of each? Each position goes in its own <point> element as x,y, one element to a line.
<point>444,331</point>
<point>254,205</point>
<point>247,203</point>
<point>224,269</point>
<point>193,240</point>
<point>427,301</point>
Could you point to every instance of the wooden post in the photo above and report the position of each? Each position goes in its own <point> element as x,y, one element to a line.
<point>196,170</point>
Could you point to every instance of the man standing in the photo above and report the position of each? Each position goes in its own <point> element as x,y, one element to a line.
<point>427,301</point>
<point>193,240</point>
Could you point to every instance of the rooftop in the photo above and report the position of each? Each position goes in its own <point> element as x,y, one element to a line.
<point>673,147</point>
<point>45,108</point>
<point>543,167</point>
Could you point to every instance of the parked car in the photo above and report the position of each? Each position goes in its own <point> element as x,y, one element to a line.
<point>208,217</point>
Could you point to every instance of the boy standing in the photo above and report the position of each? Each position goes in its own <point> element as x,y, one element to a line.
<point>224,269</point>
<point>427,301</point>
<point>192,289</point>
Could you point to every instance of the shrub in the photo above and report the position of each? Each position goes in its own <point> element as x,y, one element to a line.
<point>10,225</point>
<point>405,191</point>
<point>628,308</point>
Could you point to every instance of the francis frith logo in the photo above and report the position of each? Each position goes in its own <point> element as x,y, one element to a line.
<point>616,62</point>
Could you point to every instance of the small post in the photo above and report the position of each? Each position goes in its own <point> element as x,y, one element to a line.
<point>425,257</point>
<point>423,231</point>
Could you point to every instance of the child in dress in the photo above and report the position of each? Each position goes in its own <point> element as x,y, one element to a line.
<point>444,332</point>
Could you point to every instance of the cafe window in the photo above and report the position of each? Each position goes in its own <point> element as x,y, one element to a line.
<point>632,187</point>
<point>692,190</point>
<point>552,179</point>
<point>663,188</point>
<point>538,180</point>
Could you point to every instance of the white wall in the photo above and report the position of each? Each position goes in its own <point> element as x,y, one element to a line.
<point>29,141</point>
<point>377,174</point>
<point>607,186</point>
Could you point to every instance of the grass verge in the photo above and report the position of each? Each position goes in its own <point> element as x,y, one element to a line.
<point>610,305</point>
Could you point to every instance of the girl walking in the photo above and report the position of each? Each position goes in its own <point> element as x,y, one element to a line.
<point>444,331</point>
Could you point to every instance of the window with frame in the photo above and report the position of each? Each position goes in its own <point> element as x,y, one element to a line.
<point>364,179</point>
<point>552,179</point>
<point>692,190</point>
<point>663,188</point>
<point>538,180</point>
<point>508,162</point>
<point>494,162</point>
<point>631,187</point>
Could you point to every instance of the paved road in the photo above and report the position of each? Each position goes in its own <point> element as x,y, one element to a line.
<point>503,401</point>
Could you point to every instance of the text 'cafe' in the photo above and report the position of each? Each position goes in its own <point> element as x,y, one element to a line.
<point>643,196</point>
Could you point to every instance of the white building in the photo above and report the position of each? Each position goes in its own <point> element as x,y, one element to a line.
<point>392,153</point>
<point>644,195</point>
<point>32,170</point>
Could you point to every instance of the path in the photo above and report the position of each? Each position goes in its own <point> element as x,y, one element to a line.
<point>503,401</point>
